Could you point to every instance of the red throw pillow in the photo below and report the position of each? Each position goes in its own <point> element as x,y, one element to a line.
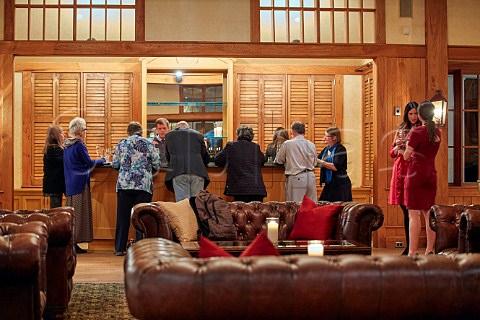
<point>314,222</point>
<point>260,246</point>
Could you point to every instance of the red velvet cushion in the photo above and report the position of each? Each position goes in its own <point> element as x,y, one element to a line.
<point>314,222</point>
<point>260,246</point>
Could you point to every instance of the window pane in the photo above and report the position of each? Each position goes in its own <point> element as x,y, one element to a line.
<point>98,24</point>
<point>294,3</point>
<point>83,24</point>
<point>354,27</point>
<point>325,4</point>
<point>339,27</point>
<point>197,126</point>
<point>265,3</point>
<point>113,1</point>
<point>451,127</point>
<point>128,2</point>
<point>128,25</point>
<point>82,1</point>
<point>213,95</point>
<point>309,3</point>
<point>21,1</point>
<point>369,4</point>
<point>339,3</point>
<point>354,3</point>
<point>51,24</point>
<point>36,24</point>
<point>310,26</point>
<point>325,27</point>
<point>470,92</point>
<point>70,2</point>
<point>470,129</point>
<point>471,165</point>
<point>192,94</point>
<point>66,24</point>
<point>98,1</point>
<point>266,26</point>
<point>450,165</point>
<point>295,26</point>
<point>279,3</point>
<point>36,2</point>
<point>280,26</point>
<point>368,27</point>
<point>51,1</point>
<point>113,24</point>
<point>21,22</point>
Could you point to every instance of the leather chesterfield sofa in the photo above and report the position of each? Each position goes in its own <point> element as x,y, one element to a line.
<point>162,281</point>
<point>355,222</point>
<point>23,287</point>
<point>457,228</point>
<point>61,257</point>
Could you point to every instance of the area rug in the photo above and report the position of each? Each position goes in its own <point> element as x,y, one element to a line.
<point>98,301</point>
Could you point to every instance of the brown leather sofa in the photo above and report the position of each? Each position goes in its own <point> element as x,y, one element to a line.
<point>23,250</point>
<point>162,281</point>
<point>457,228</point>
<point>61,257</point>
<point>355,222</point>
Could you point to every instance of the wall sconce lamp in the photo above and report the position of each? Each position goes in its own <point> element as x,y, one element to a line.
<point>440,104</point>
<point>178,76</point>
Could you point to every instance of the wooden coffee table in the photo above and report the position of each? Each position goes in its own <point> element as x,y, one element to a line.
<point>286,247</point>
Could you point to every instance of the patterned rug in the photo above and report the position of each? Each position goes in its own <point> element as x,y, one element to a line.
<point>98,301</point>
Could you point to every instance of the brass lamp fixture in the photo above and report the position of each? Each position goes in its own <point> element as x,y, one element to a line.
<point>440,104</point>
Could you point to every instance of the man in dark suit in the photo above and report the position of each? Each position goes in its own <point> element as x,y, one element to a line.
<point>187,158</point>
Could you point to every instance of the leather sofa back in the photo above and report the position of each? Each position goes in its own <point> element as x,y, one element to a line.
<point>162,281</point>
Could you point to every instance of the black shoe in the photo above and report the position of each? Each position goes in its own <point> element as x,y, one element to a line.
<point>405,252</point>
<point>118,253</point>
<point>79,250</point>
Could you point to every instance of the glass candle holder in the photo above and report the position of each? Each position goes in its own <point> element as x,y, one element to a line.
<point>272,229</point>
<point>315,248</point>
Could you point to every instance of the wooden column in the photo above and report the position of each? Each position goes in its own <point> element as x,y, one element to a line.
<point>437,79</point>
<point>6,138</point>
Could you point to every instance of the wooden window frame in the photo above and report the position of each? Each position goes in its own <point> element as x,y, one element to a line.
<point>379,14</point>
<point>10,6</point>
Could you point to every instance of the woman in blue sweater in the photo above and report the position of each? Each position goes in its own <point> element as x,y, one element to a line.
<point>77,165</point>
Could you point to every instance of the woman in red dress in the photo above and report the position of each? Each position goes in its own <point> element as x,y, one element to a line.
<point>400,167</point>
<point>421,180</point>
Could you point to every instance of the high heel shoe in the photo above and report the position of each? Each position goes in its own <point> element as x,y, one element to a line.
<point>79,250</point>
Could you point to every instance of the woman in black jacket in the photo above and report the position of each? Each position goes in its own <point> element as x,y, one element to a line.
<point>244,162</point>
<point>53,177</point>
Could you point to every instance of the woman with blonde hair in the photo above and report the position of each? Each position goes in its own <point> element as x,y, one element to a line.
<point>53,177</point>
<point>77,165</point>
<point>279,137</point>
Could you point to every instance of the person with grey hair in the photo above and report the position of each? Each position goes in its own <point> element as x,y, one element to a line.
<point>299,156</point>
<point>136,160</point>
<point>77,166</point>
<point>187,157</point>
<point>243,160</point>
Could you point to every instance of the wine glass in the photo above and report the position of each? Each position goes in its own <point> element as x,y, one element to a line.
<point>98,150</point>
<point>107,154</point>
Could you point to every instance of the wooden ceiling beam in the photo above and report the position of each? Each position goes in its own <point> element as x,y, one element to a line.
<point>208,49</point>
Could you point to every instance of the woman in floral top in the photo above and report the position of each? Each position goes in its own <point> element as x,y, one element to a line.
<point>136,159</point>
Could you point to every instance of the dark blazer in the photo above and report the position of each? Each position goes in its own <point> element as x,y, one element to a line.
<point>53,177</point>
<point>244,162</point>
<point>186,154</point>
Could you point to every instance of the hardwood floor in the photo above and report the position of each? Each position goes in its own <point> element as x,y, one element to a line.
<point>104,266</point>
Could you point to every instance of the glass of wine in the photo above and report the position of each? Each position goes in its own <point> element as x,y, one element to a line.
<point>99,150</point>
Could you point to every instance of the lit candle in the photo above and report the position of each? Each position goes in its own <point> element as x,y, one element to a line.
<point>272,229</point>
<point>315,248</point>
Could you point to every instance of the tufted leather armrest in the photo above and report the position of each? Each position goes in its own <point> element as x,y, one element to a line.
<point>61,258</point>
<point>163,282</point>
<point>15,289</point>
<point>150,220</point>
<point>469,234</point>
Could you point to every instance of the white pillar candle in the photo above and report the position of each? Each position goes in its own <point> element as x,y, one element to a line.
<point>315,248</point>
<point>272,229</point>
